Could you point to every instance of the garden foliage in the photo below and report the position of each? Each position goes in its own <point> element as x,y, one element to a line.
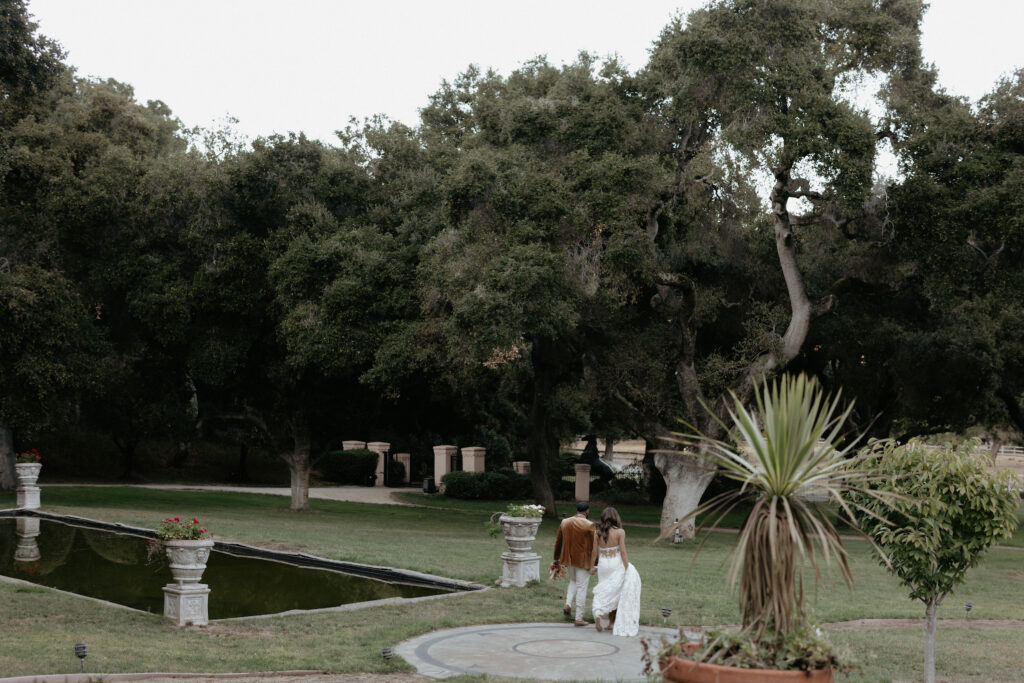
<point>353,468</point>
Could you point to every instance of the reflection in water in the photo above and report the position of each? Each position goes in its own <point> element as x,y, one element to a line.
<point>27,529</point>
<point>113,566</point>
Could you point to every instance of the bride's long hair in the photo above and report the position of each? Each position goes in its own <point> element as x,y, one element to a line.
<point>609,520</point>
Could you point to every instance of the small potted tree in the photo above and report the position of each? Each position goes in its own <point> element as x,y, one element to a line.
<point>788,463</point>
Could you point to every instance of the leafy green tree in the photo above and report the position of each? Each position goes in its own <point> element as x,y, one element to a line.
<point>87,169</point>
<point>29,65</point>
<point>274,348</point>
<point>760,86</point>
<point>49,355</point>
<point>943,510</point>
<point>549,177</point>
<point>959,236</point>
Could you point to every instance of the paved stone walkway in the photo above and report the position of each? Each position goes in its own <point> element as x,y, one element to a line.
<point>352,494</point>
<point>556,652</point>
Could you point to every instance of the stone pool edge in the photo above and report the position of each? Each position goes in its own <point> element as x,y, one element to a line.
<point>389,574</point>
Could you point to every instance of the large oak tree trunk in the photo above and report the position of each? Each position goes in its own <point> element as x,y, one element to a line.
<point>543,446</point>
<point>299,468</point>
<point>128,450</point>
<point>7,479</point>
<point>542,451</point>
<point>687,477</point>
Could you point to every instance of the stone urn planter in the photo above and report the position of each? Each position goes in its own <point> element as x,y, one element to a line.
<point>187,546</point>
<point>187,559</point>
<point>683,670</point>
<point>519,565</point>
<point>27,473</point>
<point>187,602</point>
<point>519,524</point>
<point>520,533</point>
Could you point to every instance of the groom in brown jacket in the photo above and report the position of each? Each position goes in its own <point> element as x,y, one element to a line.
<point>574,546</point>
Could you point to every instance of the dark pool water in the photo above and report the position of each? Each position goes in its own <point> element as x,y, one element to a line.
<point>114,566</point>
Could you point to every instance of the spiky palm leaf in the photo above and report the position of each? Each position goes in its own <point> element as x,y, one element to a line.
<point>789,457</point>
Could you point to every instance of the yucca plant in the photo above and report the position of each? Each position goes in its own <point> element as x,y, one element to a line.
<point>788,462</point>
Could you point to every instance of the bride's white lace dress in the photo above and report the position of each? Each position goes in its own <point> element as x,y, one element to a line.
<point>617,589</point>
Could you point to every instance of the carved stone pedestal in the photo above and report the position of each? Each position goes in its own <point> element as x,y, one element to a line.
<point>27,474</point>
<point>28,549</point>
<point>517,569</point>
<point>187,604</point>
<point>28,497</point>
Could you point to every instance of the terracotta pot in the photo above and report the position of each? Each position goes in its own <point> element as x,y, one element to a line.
<point>520,532</point>
<point>682,670</point>
<point>187,559</point>
<point>27,473</point>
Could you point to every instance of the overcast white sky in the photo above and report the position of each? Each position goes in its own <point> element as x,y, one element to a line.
<point>308,65</point>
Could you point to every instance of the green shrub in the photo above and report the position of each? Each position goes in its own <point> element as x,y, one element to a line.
<point>486,485</point>
<point>459,485</point>
<point>348,467</point>
<point>396,473</point>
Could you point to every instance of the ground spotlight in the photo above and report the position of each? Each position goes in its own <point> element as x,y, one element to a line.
<point>386,653</point>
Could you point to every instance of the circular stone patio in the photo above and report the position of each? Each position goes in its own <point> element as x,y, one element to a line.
<point>556,651</point>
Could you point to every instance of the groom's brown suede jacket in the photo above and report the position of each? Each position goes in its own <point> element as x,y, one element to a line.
<point>575,542</point>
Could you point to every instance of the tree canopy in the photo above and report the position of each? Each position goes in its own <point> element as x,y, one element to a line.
<point>561,250</point>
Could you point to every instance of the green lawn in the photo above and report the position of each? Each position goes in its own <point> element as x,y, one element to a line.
<point>631,514</point>
<point>454,543</point>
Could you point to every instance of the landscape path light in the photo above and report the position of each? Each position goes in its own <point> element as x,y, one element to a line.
<point>81,651</point>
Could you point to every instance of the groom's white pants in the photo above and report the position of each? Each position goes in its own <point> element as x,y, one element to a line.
<point>579,580</point>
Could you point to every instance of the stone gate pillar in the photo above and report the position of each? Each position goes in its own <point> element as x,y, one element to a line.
<point>442,463</point>
<point>381,448</point>
<point>473,458</point>
<point>582,482</point>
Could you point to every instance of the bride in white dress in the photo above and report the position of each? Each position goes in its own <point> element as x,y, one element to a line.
<point>616,602</point>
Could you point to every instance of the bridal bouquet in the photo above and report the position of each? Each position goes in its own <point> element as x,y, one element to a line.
<point>556,571</point>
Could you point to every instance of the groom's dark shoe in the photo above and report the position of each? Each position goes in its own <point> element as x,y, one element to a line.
<point>567,611</point>
<point>579,622</point>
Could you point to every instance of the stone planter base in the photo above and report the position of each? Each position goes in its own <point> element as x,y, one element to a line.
<point>28,549</point>
<point>28,497</point>
<point>517,570</point>
<point>187,605</point>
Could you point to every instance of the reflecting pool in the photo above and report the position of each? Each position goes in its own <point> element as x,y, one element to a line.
<point>113,566</point>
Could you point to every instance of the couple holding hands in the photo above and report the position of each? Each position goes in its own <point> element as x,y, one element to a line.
<point>583,549</point>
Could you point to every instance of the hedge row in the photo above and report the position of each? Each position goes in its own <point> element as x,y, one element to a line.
<point>487,485</point>
<point>354,468</point>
